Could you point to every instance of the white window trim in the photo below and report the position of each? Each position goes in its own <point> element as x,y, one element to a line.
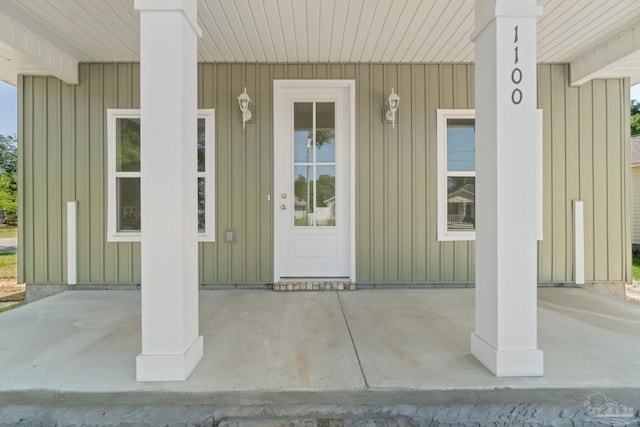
<point>112,214</point>
<point>209,234</point>
<point>444,234</point>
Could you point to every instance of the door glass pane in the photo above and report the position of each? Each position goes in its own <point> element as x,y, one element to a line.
<point>303,212</point>
<point>128,194</point>
<point>201,144</point>
<point>127,145</point>
<point>461,154</point>
<point>325,211</point>
<point>201,206</point>
<point>325,132</point>
<point>303,132</point>
<point>461,203</point>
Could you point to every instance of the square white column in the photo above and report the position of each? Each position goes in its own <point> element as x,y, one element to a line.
<point>505,338</point>
<point>171,344</point>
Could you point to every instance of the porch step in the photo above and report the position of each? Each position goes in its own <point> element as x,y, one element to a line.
<point>314,286</point>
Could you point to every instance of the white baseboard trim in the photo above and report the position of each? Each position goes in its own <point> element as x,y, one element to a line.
<point>169,367</point>
<point>508,363</point>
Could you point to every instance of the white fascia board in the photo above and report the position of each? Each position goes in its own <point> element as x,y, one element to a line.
<point>606,58</point>
<point>23,44</point>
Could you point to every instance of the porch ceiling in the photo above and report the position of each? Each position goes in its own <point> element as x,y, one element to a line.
<point>307,31</point>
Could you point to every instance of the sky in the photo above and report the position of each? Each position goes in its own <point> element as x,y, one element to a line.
<point>9,99</point>
<point>8,109</point>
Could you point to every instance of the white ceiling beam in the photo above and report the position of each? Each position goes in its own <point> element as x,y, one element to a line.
<point>608,58</point>
<point>20,45</point>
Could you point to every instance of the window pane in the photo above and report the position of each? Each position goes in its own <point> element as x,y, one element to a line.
<point>325,132</point>
<point>201,144</point>
<point>461,154</point>
<point>201,206</point>
<point>303,132</point>
<point>303,201</point>
<point>128,194</point>
<point>127,145</point>
<point>461,203</point>
<point>326,196</point>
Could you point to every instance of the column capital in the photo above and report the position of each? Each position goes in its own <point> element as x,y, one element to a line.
<point>189,8</point>
<point>488,10</point>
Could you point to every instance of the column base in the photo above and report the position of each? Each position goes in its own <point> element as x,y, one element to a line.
<point>507,363</point>
<point>169,367</point>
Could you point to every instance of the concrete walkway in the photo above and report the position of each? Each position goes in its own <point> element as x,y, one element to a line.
<point>386,354</point>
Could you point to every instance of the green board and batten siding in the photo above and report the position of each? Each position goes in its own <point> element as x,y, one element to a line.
<point>63,149</point>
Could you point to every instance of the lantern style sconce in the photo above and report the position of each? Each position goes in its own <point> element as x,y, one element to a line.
<point>391,108</point>
<point>245,104</point>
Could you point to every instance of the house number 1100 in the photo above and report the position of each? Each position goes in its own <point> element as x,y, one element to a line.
<point>516,73</point>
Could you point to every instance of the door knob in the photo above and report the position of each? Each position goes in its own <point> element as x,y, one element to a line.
<point>283,207</point>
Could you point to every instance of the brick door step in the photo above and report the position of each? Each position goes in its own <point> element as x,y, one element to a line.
<point>314,286</point>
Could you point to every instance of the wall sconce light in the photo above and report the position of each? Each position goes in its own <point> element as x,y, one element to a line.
<point>391,108</point>
<point>245,104</point>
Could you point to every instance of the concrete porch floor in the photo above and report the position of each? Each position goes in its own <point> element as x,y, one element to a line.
<point>385,354</point>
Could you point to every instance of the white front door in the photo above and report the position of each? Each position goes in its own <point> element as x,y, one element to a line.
<point>313,179</point>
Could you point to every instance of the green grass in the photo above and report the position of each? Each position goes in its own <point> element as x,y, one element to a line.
<point>8,231</point>
<point>636,268</point>
<point>8,265</point>
<point>8,272</point>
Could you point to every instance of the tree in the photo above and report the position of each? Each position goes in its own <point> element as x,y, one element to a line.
<point>635,117</point>
<point>635,124</point>
<point>8,174</point>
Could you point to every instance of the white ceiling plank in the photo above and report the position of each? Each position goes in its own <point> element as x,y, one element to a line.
<point>340,9</point>
<point>551,18</point>
<point>267,38</point>
<point>283,31</point>
<point>394,41</point>
<point>382,23</point>
<point>557,25</point>
<point>467,54</point>
<point>445,26</point>
<point>569,36</point>
<point>249,29</point>
<point>364,29</point>
<point>89,27</point>
<point>313,29</point>
<point>114,24</point>
<point>208,50</point>
<point>352,22</point>
<point>237,29</point>
<point>299,15</point>
<point>326,29</point>
<point>38,15</point>
<point>225,31</point>
<point>285,17</point>
<point>420,31</point>
<point>211,32</point>
<point>462,24</point>
<point>272,17</point>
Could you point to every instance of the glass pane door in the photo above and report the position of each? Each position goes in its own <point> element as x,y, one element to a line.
<point>314,164</point>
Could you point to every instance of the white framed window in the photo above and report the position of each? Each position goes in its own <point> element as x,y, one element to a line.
<point>124,175</point>
<point>457,175</point>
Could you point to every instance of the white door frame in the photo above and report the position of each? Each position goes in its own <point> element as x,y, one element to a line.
<point>279,133</point>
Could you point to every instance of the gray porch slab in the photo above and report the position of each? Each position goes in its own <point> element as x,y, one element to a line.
<point>419,339</point>
<point>316,351</point>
